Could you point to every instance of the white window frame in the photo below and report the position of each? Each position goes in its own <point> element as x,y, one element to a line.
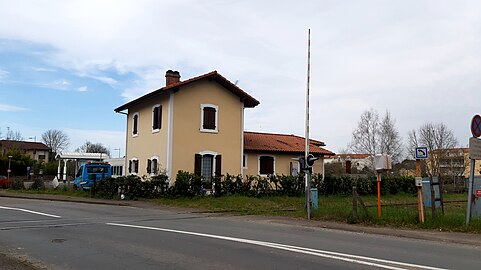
<point>133,119</point>
<point>158,165</point>
<point>214,154</point>
<point>259,164</point>
<point>152,126</point>
<point>216,130</point>
<point>133,171</point>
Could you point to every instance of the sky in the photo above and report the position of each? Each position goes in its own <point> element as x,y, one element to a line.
<point>67,64</point>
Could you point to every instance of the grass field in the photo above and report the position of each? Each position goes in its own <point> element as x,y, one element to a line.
<point>397,211</point>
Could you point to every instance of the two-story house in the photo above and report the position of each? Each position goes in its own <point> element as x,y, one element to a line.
<point>197,125</point>
<point>35,150</point>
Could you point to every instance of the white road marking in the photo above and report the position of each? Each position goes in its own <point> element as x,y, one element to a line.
<point>29,211</point>
<point>387,264</point>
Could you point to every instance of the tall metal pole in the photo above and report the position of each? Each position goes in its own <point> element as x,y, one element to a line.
<point>470,192</point>
<point>306,153</point>
<point>8,171</point>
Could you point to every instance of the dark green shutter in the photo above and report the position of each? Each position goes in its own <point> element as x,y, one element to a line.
<point>218,163</point>
<point>198,165</point>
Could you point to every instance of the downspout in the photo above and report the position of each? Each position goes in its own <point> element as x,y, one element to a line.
<point>242,141</point>
<point>126,138</point>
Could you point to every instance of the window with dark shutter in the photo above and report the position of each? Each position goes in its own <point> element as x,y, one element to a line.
<point>135,124</point>
<point>136,166</point>
<point>218,165</point>
<point>157,118</point>
<point>266,164</point>
<point>209,118</point>
<point>130,166</point>
<point>154,166</point>
<point>198,165</point>
<point>149,166</point>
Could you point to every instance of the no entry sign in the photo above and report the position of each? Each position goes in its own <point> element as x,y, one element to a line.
<point>476,126</point>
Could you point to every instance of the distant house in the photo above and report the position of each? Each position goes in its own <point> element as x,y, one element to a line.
<point>455,162</point>
<point>35,150</point>
<point>267,153</point>
<point>197,125</point>
<point>350,161</point>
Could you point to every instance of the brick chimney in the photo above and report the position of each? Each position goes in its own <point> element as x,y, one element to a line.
<point>171,77</point>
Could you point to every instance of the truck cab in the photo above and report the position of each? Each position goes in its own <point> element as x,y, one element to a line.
<point>91,173</point>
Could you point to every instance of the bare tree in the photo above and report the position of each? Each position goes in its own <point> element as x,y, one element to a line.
<point>365,137</point>
<point>438,138</point>
<point>374,136</point>
<point>56,140</point>
<point>89,147</point>
<point>390,141</point>
<point>14,135</point>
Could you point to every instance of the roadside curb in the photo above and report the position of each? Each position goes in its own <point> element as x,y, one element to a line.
<point>471,239</point>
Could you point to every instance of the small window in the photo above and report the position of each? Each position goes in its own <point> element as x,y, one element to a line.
<point>41,156</point>
<point>266,165</point>
<point>244,161</point>
<point>133,166</point>
<point>155,166</point>
<point>135,124</point>
<point>209,118</point>
<point>156,118</point>
<point>205,166</point>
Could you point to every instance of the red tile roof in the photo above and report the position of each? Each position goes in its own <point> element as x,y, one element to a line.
<point>352,156</point>
<point>257,141</point>
<point>23,145</point>
<point>248,100</point>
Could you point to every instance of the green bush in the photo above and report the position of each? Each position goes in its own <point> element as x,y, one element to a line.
<point>186,184</point>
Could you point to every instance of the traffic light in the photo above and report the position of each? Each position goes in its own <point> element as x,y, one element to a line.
<point>306,165</point>
<point>310,160</point>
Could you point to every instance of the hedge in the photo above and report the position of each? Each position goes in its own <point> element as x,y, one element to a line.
<point>190,185</point>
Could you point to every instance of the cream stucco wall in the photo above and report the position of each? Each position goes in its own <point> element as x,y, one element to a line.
<point>188,139</point>
<point>281,163</point>
<point>147,144</point>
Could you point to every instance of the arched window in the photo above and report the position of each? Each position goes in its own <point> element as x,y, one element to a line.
<point>135,124</point>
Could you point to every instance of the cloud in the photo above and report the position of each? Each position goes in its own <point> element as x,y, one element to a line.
<point>388,56</point>
<point>82,89</point>
<point>3,74</point>
<point>11,108</point>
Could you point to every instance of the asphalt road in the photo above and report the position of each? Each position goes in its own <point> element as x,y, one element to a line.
<point>67,235</point>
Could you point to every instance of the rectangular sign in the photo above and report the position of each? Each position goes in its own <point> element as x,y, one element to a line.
<point>474,148</point>
<point>418,181</point>
<point>421,153</point>
<point>478,193</point>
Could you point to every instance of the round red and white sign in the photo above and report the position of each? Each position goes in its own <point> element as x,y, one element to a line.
<point>476,126</point>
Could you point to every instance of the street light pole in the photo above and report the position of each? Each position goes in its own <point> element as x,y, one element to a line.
<point>117,149</point>
<point>8,171</point>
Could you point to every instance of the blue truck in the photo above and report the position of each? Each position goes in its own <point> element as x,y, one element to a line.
<point>91,173</point>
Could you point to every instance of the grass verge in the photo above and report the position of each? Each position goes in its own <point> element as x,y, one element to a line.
<point>397,210</point>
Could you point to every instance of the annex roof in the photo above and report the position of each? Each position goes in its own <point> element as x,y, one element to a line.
<point>351,156</point>
<point>82,156</point>
<point>248,100</point>
<point>24,145</point>
<point>270,142</point>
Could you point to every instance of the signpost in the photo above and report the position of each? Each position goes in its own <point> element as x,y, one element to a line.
<point>420,153</point>
<point>474,153</point>
<point>382,163</point>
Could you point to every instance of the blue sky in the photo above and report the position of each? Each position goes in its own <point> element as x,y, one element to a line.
<point>67,64</point>
<point>46,96</point>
